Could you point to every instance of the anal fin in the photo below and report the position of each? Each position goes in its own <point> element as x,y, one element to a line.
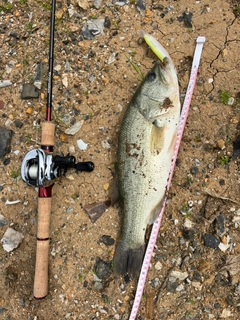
<point>155,212</point>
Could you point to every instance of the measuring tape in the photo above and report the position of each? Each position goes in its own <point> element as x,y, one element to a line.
<point>157,223</point>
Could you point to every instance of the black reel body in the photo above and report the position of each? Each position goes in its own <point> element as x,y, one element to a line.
<point>40,168</point>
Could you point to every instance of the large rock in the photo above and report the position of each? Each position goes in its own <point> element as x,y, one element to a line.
<point>29,91</point>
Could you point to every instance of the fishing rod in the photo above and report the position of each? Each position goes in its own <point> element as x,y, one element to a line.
<point>39,169</point>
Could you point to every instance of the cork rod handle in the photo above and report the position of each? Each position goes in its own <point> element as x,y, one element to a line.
<point>41,267</point>
<point>44,211</point>
<point>48,129</point>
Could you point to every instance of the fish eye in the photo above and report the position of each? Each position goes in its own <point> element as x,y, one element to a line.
<point>151,76</point>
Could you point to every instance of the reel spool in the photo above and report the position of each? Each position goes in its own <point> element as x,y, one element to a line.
<point>40,168</point>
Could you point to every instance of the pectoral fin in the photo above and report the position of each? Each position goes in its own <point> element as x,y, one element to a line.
<point>173,141</point>
<point>157,140</point>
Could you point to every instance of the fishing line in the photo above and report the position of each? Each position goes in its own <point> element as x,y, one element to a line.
<point>156,225</point>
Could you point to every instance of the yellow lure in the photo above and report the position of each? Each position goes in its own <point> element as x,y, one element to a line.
<point>155,46</point>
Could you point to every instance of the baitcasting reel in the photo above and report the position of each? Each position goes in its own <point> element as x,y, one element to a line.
<point>39,168</point>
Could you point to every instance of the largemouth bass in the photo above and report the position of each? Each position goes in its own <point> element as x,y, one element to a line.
<point>146,144</point>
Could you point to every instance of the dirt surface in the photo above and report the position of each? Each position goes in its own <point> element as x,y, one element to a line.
<point>204,197</point>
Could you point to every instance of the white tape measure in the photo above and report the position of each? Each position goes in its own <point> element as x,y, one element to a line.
<point>157,223</point>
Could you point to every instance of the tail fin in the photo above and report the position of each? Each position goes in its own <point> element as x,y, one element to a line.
<point>128,261</point>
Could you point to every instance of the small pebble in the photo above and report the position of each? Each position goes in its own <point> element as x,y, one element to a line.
<point>98,286</point>
<point>11,239</point>
<point>197,276</point>
<point>3,221</point>
<point>188,223</point>
<point>237,289</point>
<point>196,285</point>
<point>81,144</point>
<point>107,240</point>
<point>222,182</point>
<point>92,28</point>
<point>59,14</point>
<point>188,234</point>
<point>97,3</point>
<point>180,288</point>
<point>65,80</point>
<point>6,161</point>
<point>8,122</point>
<point>105,144</point>
<point>67,67</point>
<point>171,286</point>
<point>95,210</point>
<point>22,302</point>
<point>190,203</point>
<point>39,75</point>
<point>71,149</point>
<point>106,186</point>
<point>236,148</point>
<point>158,266</point>
<point>194,170</point>
<point>29,110</point>
<point>107,22</point>
<point>5,83</point>
<point>63,137</point>
<point>5,141</point>
<point>197,162</point>
<point>69,210</point>
<point>111,59</point>
<point>231,101</point>
<point>102,268</point>
<point>18,123</point>
<point>226,313</point>
<point>223,246</point>
<point>71,11</point>
<point>211,241</point>
<point>155,283</point>
<point>221,144</point>
<point>75,128</point>
<point>177,275</point>
<point>220,225</point>
<point>187,18</point>
<point>57,67</point>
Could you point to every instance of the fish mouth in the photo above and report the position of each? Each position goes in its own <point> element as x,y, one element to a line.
<point>167,71</point>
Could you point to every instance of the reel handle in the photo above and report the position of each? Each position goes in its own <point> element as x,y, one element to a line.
<point>84,166</point>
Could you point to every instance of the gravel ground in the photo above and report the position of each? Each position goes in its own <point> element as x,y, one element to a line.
<point>99,58</point>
